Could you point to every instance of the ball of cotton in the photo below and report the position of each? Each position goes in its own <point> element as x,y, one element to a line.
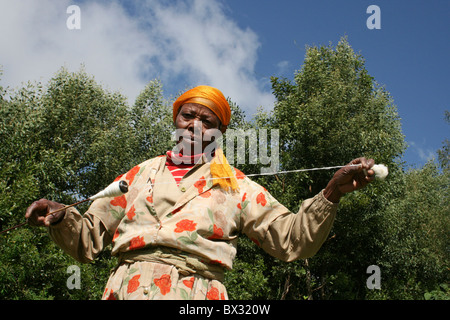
<point>115,189</point>
<point>381,171</point>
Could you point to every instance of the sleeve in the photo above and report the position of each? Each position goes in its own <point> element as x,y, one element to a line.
<point>283,234</point>
<point>84,236</point>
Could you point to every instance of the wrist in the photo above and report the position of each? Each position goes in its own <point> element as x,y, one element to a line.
<point>332,193</point>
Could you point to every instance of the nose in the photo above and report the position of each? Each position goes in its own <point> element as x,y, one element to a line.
<point>195,127</point>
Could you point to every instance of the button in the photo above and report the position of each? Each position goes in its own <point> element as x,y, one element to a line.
<point>145,290</point>
<point>183,189</point>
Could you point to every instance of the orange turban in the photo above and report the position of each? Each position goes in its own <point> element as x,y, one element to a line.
<point>209,97</point>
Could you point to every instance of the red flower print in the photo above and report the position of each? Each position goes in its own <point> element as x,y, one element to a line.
<point>116,235</point>
<point>163,284</point>
<point>131,213</point>
<point>136,243</point>
<point>217,233</point>
<point>256,241</point>
<point>176,210</point>
<point>239,174</point>
<point>261,198</point>
<point>130,174</point>
<point>150,199</point>
<point>200,184</point>
<point>207,194</point>
<point>189,283</point>
<point>213,294</point>
<point>243,199</point>
<point>185,225</point>
<point>222,296</point>
<point>118,178</point>
<point>120,201</point>
<point>110,296</point>
<point>133,284</point>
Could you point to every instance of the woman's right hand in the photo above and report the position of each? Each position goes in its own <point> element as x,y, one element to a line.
<point>36,213</point>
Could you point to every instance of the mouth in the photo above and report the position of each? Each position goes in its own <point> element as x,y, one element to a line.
<point>191,139</point>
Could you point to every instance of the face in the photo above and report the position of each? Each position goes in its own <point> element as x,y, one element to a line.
<point>196,125</point>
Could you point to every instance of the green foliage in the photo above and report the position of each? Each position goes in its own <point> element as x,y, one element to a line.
<point>441,293</point>
<point>444,152</point>
<point>247,279</point>
<point>334,111</point>
<point>62,142</point>
<point>71,138</point>
<point>152,123</point>
<point>415,238</point>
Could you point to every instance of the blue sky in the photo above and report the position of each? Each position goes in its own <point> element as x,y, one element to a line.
<point>236,46</point>
<point>409,55</point>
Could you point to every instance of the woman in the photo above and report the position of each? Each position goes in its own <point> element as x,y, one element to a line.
<point>176,230</point>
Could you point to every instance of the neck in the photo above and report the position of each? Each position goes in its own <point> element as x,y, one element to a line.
<point>180,157</point>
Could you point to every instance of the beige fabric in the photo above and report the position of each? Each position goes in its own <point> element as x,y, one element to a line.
<point>143,280</point>
<point>186,264</point>
<point>194,218</point>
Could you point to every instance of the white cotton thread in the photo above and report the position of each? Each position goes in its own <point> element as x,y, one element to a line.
<point>381,172</point>
<point>300,170</point>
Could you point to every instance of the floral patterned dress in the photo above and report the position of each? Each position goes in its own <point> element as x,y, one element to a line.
<point>197,222</point>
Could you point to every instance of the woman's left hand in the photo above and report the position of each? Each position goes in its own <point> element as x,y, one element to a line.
<point>356,175</point>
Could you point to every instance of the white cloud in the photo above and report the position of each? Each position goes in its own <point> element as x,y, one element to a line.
<point>424,154</point>
<point>283,66</point>
<point>38,43</point>
<point>185,43</point>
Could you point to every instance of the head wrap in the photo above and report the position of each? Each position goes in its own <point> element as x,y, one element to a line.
<point>206,96</point>
<point>213,99</point>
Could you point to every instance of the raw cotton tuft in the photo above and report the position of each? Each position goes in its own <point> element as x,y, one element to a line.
<point>381,171</point>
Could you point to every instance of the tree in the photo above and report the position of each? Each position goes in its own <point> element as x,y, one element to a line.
<point>152,123</point>
<point>414,238</point>
<point>444,152</point>
<point>331,113</point>
<point>63,142</point>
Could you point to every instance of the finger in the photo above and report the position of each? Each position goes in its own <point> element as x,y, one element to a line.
<point>49,220</point>
<point>353,167</point>
<point>367,174</point>
<point>370,176</point>
<point>55,214</point>
<point>36,212</point>
<point>365,164</point>
<point>31,209</point>
<point>360,181</point>
<point>36,220</point>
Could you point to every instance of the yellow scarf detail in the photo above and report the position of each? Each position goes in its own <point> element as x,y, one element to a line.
<point>222,173</point>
